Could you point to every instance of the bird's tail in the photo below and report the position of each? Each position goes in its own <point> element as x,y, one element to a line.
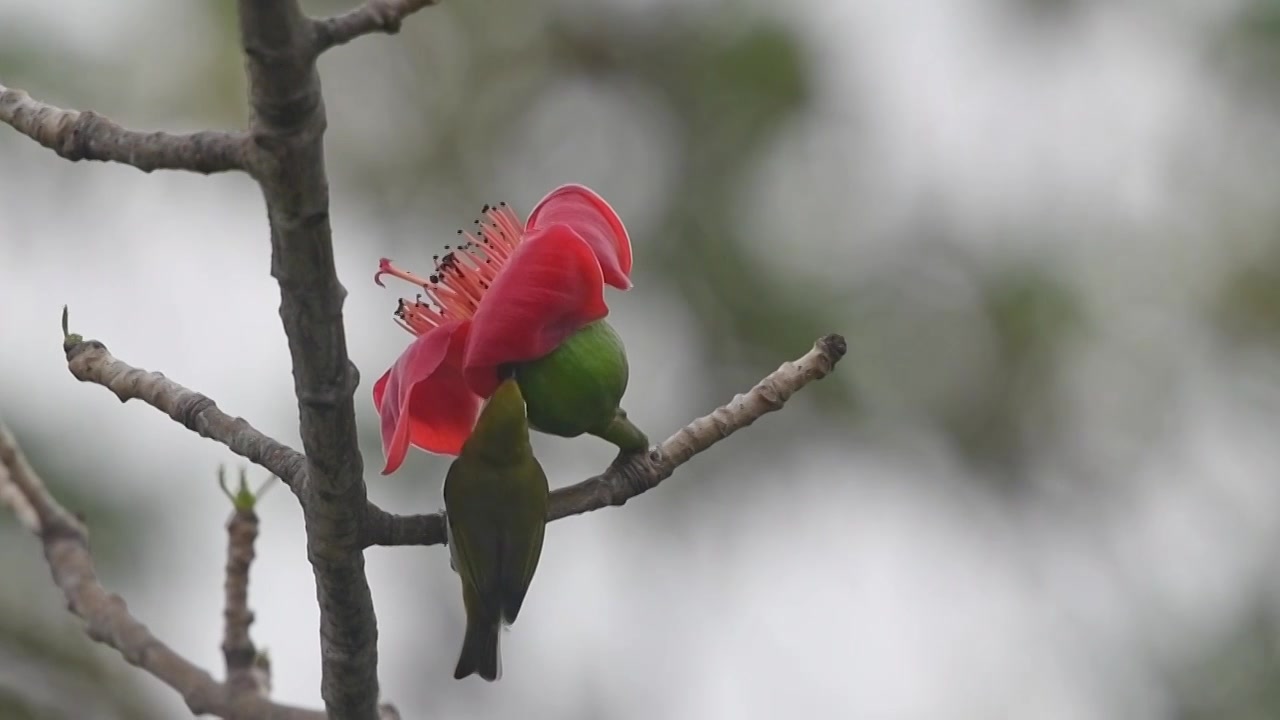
<point>480,650</point>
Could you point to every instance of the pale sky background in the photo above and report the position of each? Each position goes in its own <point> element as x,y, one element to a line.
<point>864,580</point>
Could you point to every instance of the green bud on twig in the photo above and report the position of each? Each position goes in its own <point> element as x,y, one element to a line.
<point>69,339</point>
<point>243,499</point>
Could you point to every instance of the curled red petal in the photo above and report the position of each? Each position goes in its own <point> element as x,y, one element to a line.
<point>423,399</point>
<point>595,221</point>
<point>550,288</point>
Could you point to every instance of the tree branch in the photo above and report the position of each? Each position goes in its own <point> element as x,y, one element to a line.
<point>633,475</point>
<point>106,617</point>
<point>372,16</point>
<point>76,135</point>
<point>287,127</point>
<point>90,361</point>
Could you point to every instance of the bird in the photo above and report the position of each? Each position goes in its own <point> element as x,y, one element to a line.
<point>496,498</point>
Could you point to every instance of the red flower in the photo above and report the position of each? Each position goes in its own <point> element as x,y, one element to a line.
<point>505,295</point>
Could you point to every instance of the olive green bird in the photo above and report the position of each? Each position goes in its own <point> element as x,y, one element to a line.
<point>495,500</point>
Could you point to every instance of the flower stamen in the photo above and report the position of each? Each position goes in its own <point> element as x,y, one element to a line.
<point>462,275</point>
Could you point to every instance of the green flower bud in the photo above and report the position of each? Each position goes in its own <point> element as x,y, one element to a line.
<point>577,388</point>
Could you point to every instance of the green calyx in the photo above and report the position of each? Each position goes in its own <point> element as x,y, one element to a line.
<point>577,388</point>
<point>622,432</point>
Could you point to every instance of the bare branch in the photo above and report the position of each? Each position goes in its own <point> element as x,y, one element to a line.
<point>35,507</point>
<point>106,617</point>
<point>372,16</point>
<point>287,126</point>
<point>13,498</point>
<point>90,361</point>
<point>630,476</point>
<point>77,135</point>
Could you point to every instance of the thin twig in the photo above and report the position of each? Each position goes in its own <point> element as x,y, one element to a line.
<point>371,16</point>
<point>77,135</point>
<point>90,361</point>
<point>287,125</point>
<point>238,650</point>
<point>630,476</point>
<point>106,617</point>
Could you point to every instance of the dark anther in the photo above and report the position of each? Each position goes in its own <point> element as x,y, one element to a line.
<point>434,278</point>
<point>484,209</point>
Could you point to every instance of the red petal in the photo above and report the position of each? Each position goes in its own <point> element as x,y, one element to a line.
<point>594,220</point>
<point>548,290</point>
<point>423,399</point>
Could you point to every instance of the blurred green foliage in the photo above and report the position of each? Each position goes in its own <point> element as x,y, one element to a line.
<point>1239,678</point>
<point>1247,308</point>
<point>1033,316</point>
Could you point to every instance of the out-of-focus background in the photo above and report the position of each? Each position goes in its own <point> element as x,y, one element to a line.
<point>1043,484</point>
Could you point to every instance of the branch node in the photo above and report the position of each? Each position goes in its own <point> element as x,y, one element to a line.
<point>834,347</point>
<point>373,16</point>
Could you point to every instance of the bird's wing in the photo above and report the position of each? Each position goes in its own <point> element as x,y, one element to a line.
<point>520,551</point>
<point>475,541</point>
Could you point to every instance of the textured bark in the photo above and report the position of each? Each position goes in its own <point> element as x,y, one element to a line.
<point>287,126</point>
<point>238,651</point>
